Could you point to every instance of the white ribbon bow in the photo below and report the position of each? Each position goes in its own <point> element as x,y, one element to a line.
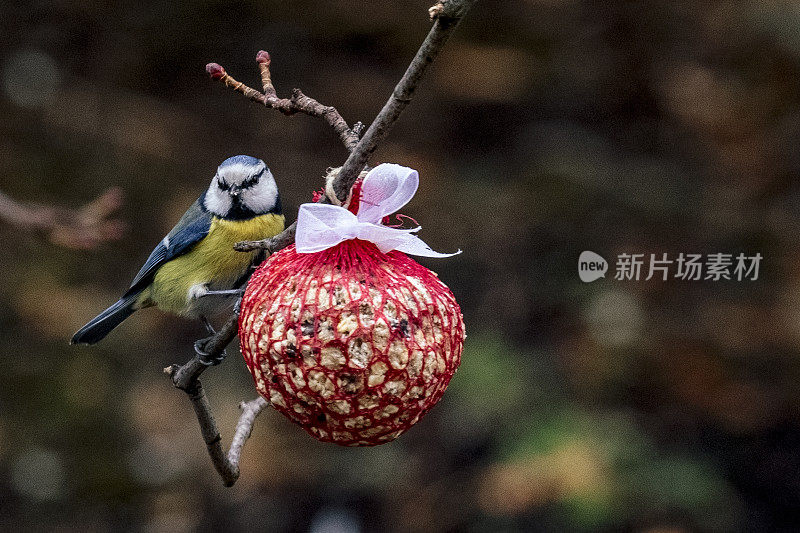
<point>385,189</point>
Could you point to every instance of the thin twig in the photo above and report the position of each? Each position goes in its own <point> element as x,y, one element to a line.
<point>272,244</point>
<point>264,61</point>
<point>447,16</point>
<point>250,410</point>
<point>226,465</point>
<point>81,229</point>
<point>298,103</point>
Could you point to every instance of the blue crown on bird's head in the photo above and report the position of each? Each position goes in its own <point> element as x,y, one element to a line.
<point>244,160</point>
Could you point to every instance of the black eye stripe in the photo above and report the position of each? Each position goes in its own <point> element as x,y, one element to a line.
<point>249,182</point>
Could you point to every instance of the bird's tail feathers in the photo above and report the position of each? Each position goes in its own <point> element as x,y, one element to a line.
<point>102,324</point>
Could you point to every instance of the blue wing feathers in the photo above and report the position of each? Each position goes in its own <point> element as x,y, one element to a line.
<point>190,229</point>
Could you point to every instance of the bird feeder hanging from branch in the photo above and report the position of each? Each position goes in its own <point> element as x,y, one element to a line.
<point>344,333</point>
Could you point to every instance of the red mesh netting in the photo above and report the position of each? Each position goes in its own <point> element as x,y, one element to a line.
<point>352,344</point>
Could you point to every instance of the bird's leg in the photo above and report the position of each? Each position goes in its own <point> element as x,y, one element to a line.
<point>237,307</point>
<point>209,328</point>
<point>227,292</point>
<point>200,344</point>
<point>203,356</point>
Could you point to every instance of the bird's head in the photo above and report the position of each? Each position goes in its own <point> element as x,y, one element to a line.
<point>243,187</point>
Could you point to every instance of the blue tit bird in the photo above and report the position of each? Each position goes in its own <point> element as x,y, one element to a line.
<point>194,271</point>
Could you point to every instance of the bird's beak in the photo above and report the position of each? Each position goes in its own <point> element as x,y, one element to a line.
<point>235,193</point>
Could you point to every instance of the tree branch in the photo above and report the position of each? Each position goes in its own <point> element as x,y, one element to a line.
<point>446,16</point>
<point>298,103</point>
<point>81,229</point>
<point>186,378</point>
<point>183,376</point>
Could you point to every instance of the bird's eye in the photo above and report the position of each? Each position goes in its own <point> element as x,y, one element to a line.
<point>223,186</point>
<point>249,182</point>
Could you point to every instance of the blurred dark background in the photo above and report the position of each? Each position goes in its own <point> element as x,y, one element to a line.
<point>544,129</point>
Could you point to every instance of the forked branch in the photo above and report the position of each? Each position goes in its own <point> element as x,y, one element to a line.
<point>186,377</point>
<point>446,16</point>
<point>298,103</point>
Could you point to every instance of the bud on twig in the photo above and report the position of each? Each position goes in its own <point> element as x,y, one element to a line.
<point>263,57</point>
<point>264,62</point>
<point>215,71</point>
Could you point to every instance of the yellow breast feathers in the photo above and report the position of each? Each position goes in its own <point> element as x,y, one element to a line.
<point>212,263</point>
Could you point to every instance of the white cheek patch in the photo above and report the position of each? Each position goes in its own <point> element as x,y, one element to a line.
<point>217,201</point>
<point>262,196</point>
